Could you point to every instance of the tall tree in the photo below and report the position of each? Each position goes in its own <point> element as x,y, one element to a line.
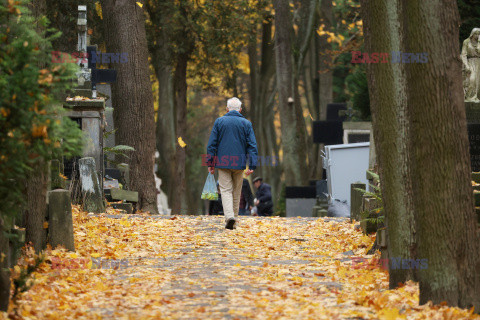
<point>439,155</point>
<point>325,77</point>
<point>262,91</point>
<point>388,91</point>
<point>288,62</point>
<point>36,184</point>
<point>36,206</point>
<point>132,95</point>
<point>429,97</point>
<point>158,42</point>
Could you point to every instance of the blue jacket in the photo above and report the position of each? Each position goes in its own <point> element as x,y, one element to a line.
<point>232,143</point>
<point>264,193</point>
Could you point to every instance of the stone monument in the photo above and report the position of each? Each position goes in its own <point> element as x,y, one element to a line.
<point>471,85</point>
<point>471,66</point>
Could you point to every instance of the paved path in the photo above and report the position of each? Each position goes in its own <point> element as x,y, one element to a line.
<point>193,268</point>
<point>267,267</point>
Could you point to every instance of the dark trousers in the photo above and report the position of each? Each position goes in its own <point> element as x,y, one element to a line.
<point>265,208</point>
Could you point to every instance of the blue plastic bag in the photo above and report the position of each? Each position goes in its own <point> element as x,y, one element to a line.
<point>210,189</point>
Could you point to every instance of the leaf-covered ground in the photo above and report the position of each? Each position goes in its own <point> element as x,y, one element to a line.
<point>140,267</point>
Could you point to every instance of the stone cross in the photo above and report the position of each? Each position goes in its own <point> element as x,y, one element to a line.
<point>349,113</point>
<point>98,75</point>
<point>89,71</point>
<point>84,74</point>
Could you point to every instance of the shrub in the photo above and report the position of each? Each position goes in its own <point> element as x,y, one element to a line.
<point>32,128</point>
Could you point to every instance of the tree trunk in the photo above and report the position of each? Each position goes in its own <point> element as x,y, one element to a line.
<point>159,47</point>
<point>293,139</point>
<point>262,90</point>
<point>132,95</point>
<point>180,89</point>
<point>166,130</point>
<point>431,127</point>
<point>440,162</point>
<point>388,90</point>
<point>166,120</point>
<point>4,269</point>
<point>36,186</point>
<point>36,207</point>
<point>325,77</point>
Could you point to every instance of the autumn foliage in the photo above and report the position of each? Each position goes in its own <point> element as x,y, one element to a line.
<point>31,125</point>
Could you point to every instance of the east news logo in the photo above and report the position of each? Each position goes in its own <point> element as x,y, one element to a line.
<point>97,57</point>
<point>385,57</point>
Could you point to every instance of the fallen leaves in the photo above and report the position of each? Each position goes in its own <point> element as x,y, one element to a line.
<point>192,268</point>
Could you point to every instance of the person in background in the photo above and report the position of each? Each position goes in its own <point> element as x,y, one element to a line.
<point>246,199</point>
<point>263,200</point>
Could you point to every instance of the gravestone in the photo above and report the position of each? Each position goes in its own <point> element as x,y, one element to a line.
<point>333,111</point>
<point>356,131</point>
<point>474,140</point>
<point>321,189</point>
<point>321,207</point>
<point>127,207</point>
<point>473,119</point>
<point>60,221</point>
<point>111,183</point>
<point>109,141</point>
<point>327,132</point>
<point>472,110</point>
<point>126,195</point>
<point>125,171</point>
<point>88,111</point>
<point>92,194</point>
<point>300,201</point>
<point>115,174</point>
<point>98,75</point>
<point>356,197</point>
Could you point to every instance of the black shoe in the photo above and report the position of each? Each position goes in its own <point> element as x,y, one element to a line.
<point>230,224</point>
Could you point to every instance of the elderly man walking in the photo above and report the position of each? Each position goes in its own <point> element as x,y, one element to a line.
<point>231,145</point>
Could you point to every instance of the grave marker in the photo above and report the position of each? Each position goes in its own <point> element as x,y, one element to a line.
<point>60,221</point>
<point>474,140</point>
<point>91,188</point>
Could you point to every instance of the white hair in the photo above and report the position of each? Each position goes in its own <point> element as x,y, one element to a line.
<point>234,104</point>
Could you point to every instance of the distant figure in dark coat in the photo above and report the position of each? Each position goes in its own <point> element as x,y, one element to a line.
<point>264,201</point>
<point>246,199</point>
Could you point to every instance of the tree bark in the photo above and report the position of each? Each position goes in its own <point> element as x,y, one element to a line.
<point>262,90</point>
<point>325,76</point>
<point>440,162</point>
<point>36,207</point>
<point>166,130</point>
<point>293,139</point>
<point>180,89</point>
<point>388,90</point>
<point>161,61</point>
<point>430,135</point>
<point>36,186</point>
<point>132,95</point>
